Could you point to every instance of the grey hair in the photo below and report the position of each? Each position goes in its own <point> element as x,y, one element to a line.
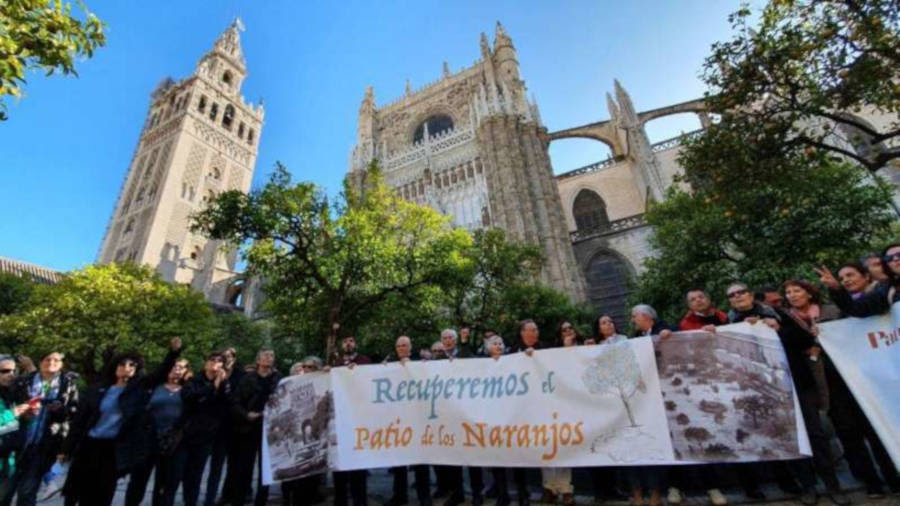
<point>736,283</point>
<point>493,339</point>
<point>4,357</point>
<point>449,332</point>
<point>297,368</point>
<point>314,359</point>
<point>645,309</point>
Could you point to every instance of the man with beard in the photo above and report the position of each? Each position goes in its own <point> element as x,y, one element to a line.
<point>355,480</point>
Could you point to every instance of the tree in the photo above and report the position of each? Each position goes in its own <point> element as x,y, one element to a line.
<point>756,212</point>
<point>329,264</point>
<point>616,372</point>
<point>808,70</point>
<point>100,310</point>
<point>756,407</point>
<point>14,292</point>
<point>42,35</point>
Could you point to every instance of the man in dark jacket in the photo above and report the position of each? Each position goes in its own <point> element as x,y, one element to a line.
<point>56,392</point>
<point>354,480</point>
<point>247,408</point>
<point>646,322</point>
<point>796,343</point>
<point>403,350</point>
<point>206,399</point>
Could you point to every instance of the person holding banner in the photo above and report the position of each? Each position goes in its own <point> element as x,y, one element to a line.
<point>355,481</point>
<point>403,350</point>
<point>646,322</point>
<point>850,423</point>
<point>303,491</point>
<point>453,474</point>
<point>797,344</point>
<point>557,481</point>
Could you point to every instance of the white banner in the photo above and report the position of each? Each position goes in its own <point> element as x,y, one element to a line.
<point>723,397</point>
<point>866,351</point>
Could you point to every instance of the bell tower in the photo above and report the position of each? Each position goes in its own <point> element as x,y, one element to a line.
<point>200,138</point>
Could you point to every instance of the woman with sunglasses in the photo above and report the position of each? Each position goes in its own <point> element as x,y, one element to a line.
<point>877,301</point>
<point>797,344</point>
<point>102,443</point>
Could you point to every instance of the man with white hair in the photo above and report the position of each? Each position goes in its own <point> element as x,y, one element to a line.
<point>403,354</point>
<point>451,477</point>
<point>647,322</point>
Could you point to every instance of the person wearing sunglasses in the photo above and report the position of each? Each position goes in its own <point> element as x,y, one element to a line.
<point>877,301</point>
<point>54,397</point>
<point>10,435</point>
<point>797,344</point>
<point>101,445</point>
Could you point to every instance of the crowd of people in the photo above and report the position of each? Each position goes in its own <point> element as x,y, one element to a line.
<point>174,424</point>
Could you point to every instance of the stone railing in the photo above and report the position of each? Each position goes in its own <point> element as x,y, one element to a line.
<point>435,144</point>
<point>612,227</point>
<point>594,167</point>
<point>676,141</point>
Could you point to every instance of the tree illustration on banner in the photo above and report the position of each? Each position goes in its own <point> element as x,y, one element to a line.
<point>616,372</point>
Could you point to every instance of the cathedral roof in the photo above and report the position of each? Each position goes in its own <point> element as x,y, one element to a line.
<point>33,272</point>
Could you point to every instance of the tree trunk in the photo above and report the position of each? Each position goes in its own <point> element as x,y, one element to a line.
<point>331,341</point>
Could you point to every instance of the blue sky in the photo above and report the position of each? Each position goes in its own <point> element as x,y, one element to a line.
<point>68,143</point>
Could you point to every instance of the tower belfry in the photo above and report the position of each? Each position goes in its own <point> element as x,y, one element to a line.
<point>200,138</point>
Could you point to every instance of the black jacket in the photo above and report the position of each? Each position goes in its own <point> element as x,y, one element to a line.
<point>252,395</point>
<point>205,408</point>
<point>133,442</point>
<point>878,301</point>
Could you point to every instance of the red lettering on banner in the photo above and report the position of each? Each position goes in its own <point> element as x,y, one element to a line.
<point>886,339</point>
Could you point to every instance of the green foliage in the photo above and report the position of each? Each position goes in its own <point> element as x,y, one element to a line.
<point>757,214</point>
<point>377,265</point>
<point>14,292</point>
<point>803,61</point>
<point>42,35</point>
<point>327,265</point>
<point>105,309</point>
<point>543,304</point>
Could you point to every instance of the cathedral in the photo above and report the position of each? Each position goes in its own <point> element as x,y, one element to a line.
<point>472,146</point>
<point>200,138</point>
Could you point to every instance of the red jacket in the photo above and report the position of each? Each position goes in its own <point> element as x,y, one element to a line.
<point>693,321</point>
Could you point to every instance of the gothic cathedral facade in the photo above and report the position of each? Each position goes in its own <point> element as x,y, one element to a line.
<point>473,147</point>
<point>200,138</point>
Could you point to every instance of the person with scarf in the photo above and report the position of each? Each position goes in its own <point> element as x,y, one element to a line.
<point>850,423</point>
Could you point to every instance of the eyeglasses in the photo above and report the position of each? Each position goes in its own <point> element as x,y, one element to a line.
<point>7,371</point>
<point>891,258</point>
<point>567,327</point>
<point>738,293</point>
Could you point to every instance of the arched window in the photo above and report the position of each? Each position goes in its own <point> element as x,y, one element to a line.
<point>201,106</point>
<point>195,253</point>
<point>241,130</point>
<point>213,111</point>
<point>250,136</point>
<point>226,77</point>
<point>607,283</point>
<point>589,211</point>
<point>437,124</point>
<point>228,117</point>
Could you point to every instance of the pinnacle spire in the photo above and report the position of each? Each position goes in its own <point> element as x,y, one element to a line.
<point>500,37</point>
<point>229,42</point>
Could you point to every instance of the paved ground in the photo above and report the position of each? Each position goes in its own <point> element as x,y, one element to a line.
<point>380,490</point>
